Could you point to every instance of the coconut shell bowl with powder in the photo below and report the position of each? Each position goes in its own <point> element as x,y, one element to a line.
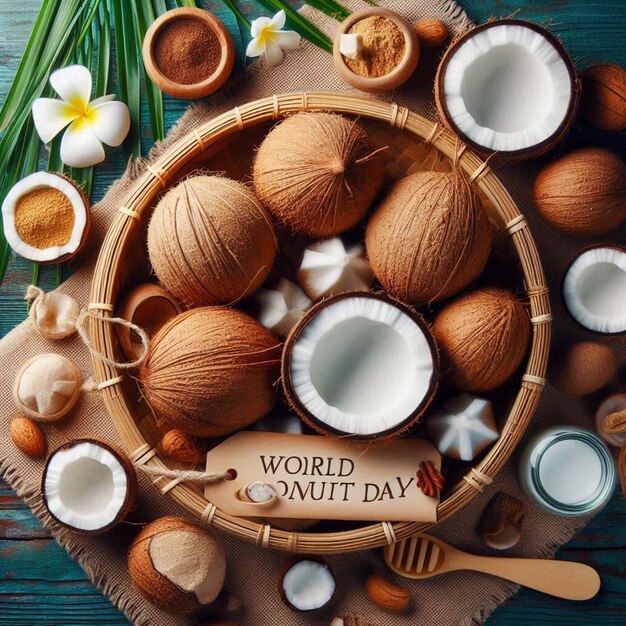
<point>388,50</point>
<point>188,53</point>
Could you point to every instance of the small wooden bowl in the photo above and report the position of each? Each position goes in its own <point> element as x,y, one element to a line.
<point>196,90</point>
<point>136,307</point>
<point>399,74</point>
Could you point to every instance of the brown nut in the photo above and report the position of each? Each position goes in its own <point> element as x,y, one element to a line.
<point>500,526</point>
<point>385,595</point>
<point>182,447</point>
<point>431,33</point>
<point>28,437</point>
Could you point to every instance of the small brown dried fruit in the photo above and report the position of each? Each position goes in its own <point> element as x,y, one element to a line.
<point>500,525</point>
<point>431,33</point>
<point>28,437</point>
<point>621,469</point>
<point>182,447</point>
<point>385,595</point>
<point>603,100</point>
<point>615,423</point>
<point>429,479</point>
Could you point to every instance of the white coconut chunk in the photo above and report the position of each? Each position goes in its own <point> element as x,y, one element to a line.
<point>85,486</point>
<point>308,585</point>
<point>328,267</point>
<point>350,45</point>
<point>362,365</point>
<point>40,180</point>
<point>464,428</point>
<point>281,308</point>
<point>507,88</point>
<point>594,289</point>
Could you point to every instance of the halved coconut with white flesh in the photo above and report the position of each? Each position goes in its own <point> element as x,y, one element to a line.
<point>507,86</point>
<point>307,584</point>
<point>594,289</point>
<point>88,486</point>
<point>360,364</point>
<point>46,217</point>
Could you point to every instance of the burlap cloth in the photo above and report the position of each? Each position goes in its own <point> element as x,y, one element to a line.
<point>458,598</point>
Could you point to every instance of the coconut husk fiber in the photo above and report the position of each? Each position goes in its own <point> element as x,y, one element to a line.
<point>461,598</point>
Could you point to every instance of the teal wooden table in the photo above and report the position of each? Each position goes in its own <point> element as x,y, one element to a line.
<point>40,584</point>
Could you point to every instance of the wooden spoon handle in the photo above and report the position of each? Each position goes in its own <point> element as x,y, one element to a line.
<point>562,579</point>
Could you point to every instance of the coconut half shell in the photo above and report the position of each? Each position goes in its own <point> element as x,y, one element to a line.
<point>360,365</point>
<point>507,87</point>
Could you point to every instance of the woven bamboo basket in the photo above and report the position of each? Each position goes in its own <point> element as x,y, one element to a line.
<point>225,144</point>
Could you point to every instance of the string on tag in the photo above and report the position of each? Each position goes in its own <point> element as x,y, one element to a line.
<point>182,476</point>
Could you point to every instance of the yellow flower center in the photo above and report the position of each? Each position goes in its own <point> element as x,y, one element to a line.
<point>267,34</point>
<point>86,114</point>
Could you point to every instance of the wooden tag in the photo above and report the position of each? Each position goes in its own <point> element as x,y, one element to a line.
<point>322,478</point>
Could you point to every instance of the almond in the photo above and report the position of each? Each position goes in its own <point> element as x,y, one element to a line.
<point>182,447</point>
<point>385,595</point>
<point>28,437</point>
<point>431,33</point>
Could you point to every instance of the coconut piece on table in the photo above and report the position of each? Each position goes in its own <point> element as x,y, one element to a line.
<point>329,267</point>
<point>47,387</point>
<point>318,173</point>
<point>88,485</point>
<point>509,87</point>
<point>464,427</point>
<point>177,565</point>
<point>360,364</point>
<point>280,308</point>
<point>429,238</point>
<point>307,584</point>
<point>594,289</point>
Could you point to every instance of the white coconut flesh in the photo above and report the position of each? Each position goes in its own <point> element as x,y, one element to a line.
<point>362,366</point>
<point>507,88</point>
<point>594,290</point>
<point>85,486</point>
<point>308,585</point>
<point>40,180</point>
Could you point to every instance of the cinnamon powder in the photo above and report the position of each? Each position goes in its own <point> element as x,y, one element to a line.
<point>383,46</point>
<point>187,51</point>
<point>44,218</point>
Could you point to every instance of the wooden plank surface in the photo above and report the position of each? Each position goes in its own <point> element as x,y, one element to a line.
<point>40,584</point>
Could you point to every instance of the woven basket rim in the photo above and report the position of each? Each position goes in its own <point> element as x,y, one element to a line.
<point>156,178</point>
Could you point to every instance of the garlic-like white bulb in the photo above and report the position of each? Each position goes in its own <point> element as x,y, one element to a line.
<point>47,387</point>
<point>464,428</point>
<point>52,314</point>
<point>328,268</point>
<point>281,308</point>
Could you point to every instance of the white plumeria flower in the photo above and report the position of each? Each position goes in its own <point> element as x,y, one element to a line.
<point>90,123</point>
<point>269,39</point>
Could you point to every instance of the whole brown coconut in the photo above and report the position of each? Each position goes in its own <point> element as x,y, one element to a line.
<point>429,238</point>
<point>483,337</point>
<point>210,241</point>
<point>177,565</point>
<point>583,368</point>
<point>318,173</point>
<point>583,192</point>
<point>211,371</point>
<point>603,100</point>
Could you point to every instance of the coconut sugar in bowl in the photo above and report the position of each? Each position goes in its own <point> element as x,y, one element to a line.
<point>188,53</point>
<point>384,46</point>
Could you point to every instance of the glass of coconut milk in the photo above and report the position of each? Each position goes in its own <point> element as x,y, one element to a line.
<point>567,471</point>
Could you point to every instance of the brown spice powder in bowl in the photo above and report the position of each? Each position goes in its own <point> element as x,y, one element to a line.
<point>383,46</point>
<point>187,51</point>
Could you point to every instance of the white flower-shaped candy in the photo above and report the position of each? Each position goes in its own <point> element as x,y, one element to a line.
<point>90,124</point>
<point>464,428</point>
<point>328,268</point>
<point>281,308</point>
<point>270,40</point>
